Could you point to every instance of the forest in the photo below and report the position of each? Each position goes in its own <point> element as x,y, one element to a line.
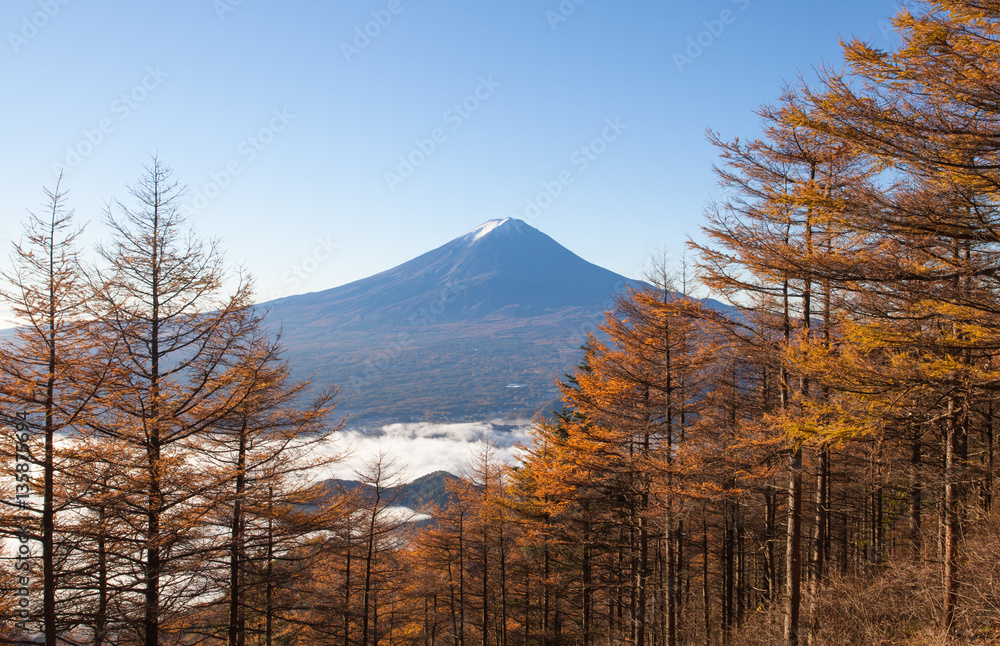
<point>813,465</point>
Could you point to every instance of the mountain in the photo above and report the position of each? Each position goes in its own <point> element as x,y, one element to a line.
<point>503,268</point>
<point>480,327</point>
<point>421,495</point>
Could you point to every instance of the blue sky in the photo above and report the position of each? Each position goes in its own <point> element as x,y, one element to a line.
<point>325,141</point>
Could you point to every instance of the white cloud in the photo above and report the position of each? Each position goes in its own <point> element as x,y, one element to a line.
<point>422,448</point>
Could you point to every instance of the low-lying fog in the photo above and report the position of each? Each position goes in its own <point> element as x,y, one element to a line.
<point>422,448</point>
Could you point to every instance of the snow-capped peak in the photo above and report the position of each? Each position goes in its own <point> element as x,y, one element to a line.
<point>485,228</point>
<point>509,224</point>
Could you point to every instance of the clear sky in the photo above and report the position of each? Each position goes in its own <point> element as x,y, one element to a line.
<point>325,141</point>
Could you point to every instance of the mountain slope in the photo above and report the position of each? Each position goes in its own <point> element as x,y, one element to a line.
<point>480,327</point>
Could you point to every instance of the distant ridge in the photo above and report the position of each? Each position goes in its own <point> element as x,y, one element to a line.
<point>421,495</point>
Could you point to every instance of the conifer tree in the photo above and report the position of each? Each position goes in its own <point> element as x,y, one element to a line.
<point>260,455</point>
<point>764,252</point>
<point>162,315</point>
<point>925,113</point>
<point>46,369</point>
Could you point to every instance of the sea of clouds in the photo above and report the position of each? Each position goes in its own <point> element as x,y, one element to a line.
<point>420,448</point>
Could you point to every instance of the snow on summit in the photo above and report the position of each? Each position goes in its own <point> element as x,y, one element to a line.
<point>509,225</point>
<point>485,228</point>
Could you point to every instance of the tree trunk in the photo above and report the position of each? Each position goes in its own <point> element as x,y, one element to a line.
<point>951,520</point>
<point>588,592</point>
<point>818,556</point>
<point>347,594</point>
<point>988,458</point>
<point>453,603</point>
<point>705,587</point>
<point>151,621</point>
<point>641,580</point>
<point>236,632</point>
<point>741,572</point>
<point>101,616</point>
<point>727,571</point>
<point>502,623</point>
<point>369,566</point>
<point>269,586</point>
<point>793,571</point>
<point>916,493</point>
<point>770,535</point>
<point>671,586</point>
<point>461,582</point>
<point>486,578</point>
<point>527,609</point>
<point>679,603</point>
<point>546,573</point>
<point>48,504</point>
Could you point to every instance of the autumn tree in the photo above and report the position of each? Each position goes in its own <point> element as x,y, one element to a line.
<point>46,368</point>
<point>97,552</point>
<point>925,112</point>
<point>162,315</point>
<point>445,548</point>
<point>608,482</point>
<point>261,454</point>
<point>778,222</point>
<point>379,531</point>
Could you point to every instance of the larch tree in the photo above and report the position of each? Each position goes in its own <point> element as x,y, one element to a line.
<point>261,454</point>
<point>764,241</point>
<point>927,112</point>
<point>379,531</point>
<point>47,368</point>
<point>162,315</point>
